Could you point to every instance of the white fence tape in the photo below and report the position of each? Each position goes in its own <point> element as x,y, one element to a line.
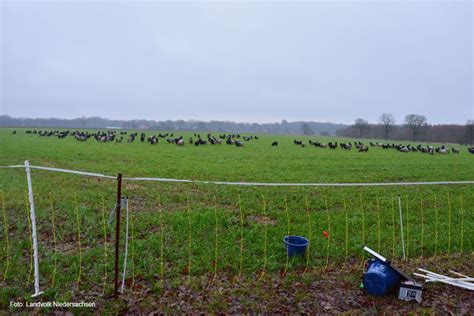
<point>83,173</point>
<point>269,184</point>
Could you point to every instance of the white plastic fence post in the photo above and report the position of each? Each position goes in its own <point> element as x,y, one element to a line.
<point>401,226</point>
<point>33,228</point>
<point>126,248</point>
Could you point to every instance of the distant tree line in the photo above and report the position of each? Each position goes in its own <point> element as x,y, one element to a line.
<point>414,128</point>
<point>283,127</point>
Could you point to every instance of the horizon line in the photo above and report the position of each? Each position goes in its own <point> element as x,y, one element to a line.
<point>214,120</point>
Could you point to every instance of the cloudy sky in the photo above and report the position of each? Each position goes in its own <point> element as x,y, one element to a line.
<point>240,61</point>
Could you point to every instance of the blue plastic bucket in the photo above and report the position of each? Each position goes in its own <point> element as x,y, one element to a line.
<point>380,278</point>
<point>295,245</point>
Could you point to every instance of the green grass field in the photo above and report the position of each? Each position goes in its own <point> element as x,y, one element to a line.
<point>184,231</point>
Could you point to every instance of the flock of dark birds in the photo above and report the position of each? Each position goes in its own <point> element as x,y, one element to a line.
<point>428,149</point>
<point>231,139</point>
<point>113,136</point>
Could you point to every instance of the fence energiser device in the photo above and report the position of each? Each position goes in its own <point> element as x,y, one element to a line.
<point>380,278</point>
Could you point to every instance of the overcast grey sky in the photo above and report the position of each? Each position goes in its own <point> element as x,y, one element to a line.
<point>239,61</point>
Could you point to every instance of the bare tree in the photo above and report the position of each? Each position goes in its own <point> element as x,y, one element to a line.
<point>415,123</point>
<point>387,121</point>
<point>361,125</point>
